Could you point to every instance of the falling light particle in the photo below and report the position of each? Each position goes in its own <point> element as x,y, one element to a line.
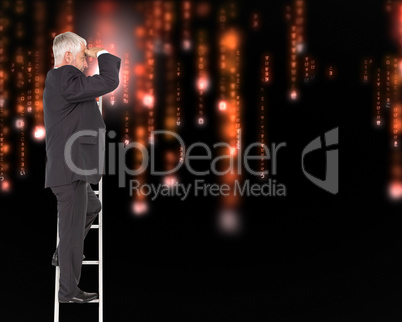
<point>293,95</point>
<point>395,189</point>
<point>300,48</point>
<point>140,208</point>
<point>39,132</point>
<point>202,84</point>
<point>19,124</point>
<point>148,101</point>
<point>186,44</point>
<point>229,222</point>
<point>222,105</point>
<point>5,185</point>
<point>170,181</point>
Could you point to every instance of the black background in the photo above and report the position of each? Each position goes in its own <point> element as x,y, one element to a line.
<point>310,255</point>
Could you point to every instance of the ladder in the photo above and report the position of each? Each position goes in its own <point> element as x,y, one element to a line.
<point>98,262</point>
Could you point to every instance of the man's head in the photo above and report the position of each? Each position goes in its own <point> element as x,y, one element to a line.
<point>69,49</point>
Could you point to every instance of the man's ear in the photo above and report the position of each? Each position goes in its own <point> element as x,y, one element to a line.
<point>68,57</point>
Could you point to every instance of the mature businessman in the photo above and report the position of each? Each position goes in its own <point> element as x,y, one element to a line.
<point>75,149</point>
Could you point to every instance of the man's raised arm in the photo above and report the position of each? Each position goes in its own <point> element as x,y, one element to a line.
<point>76,87</point>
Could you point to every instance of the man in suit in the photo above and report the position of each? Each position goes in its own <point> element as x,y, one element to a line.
<point>75,144</point>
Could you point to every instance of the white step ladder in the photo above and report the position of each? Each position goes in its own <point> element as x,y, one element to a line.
<point>99,262</point>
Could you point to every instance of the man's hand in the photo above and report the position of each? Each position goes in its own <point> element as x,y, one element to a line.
<point>91,52</point>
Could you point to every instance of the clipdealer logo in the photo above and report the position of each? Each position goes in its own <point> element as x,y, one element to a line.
<point>331,181</point>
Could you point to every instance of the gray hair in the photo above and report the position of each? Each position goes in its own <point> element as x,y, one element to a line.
<point>67,41</point>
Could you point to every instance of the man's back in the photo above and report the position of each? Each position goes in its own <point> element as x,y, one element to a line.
<point>69,104</point>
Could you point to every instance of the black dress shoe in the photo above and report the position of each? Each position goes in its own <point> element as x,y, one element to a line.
<point>55,258</point>
<point>81,297</point>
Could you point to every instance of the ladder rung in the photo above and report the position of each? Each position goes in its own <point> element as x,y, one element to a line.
<point>94,226</point>
<point>93,301</point>
<point>90,262</point>
<point>96,192</point>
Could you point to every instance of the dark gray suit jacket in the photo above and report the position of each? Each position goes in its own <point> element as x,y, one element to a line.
<point>71,114</point>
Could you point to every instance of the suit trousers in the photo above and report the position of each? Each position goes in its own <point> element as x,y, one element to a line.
<point>78,207</point>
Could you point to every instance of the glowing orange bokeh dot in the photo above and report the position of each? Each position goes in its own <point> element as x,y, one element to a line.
<point>5,185</point>
<point>139,69</point>
<point>222,105</point>
<point>39,133</point>
<point>230,40</point>
<point>170,180</point>
<point>140,208</point>
<point>140,132</point>
<point>148,100</point>
<point>395,189</point>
